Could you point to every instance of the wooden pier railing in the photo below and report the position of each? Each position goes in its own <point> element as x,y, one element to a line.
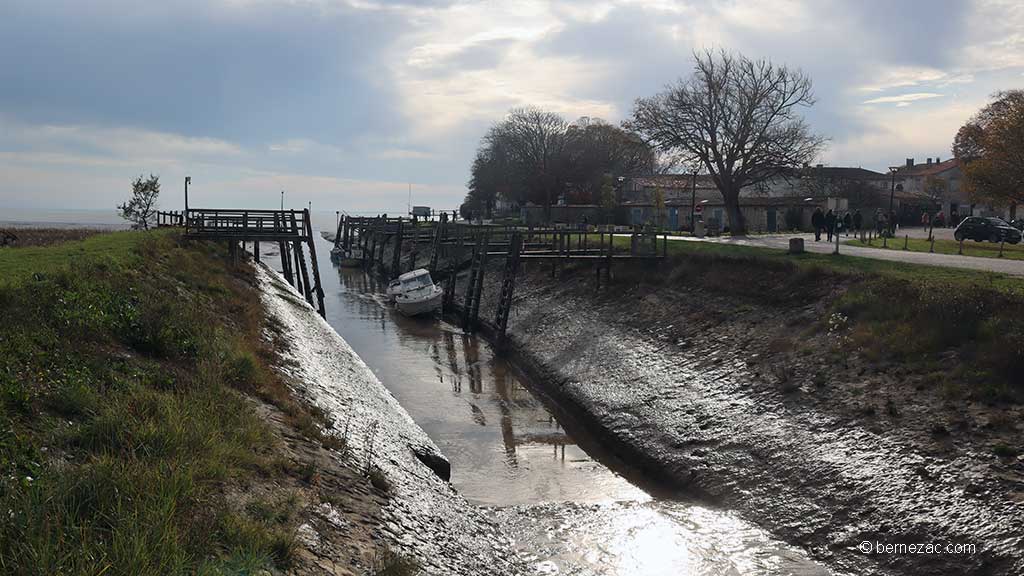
<point>366,239</point>
<point>291,230</point>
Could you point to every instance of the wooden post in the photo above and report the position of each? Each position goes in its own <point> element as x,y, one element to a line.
<point>961,249</point>
<point>906,240</point>
<point>508,284</point>
<point>467,306</point>
<point>479,289</point>
<point>318,288</point>
<point>396,258</point>
<point>931,247</point>
<point>1001,242</point>
<point>256,250</point>
<point>307,289</point>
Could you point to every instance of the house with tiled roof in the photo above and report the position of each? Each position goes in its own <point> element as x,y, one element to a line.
<point>955,203</point>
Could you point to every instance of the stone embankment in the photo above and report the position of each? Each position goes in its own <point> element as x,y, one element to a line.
<point>411,509</point>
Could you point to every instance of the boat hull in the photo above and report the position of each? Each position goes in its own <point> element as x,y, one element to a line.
<point>421,306</point>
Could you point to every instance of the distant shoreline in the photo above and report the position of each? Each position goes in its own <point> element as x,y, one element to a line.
<point>62,219</point>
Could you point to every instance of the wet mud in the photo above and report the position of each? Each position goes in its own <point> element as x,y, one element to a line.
<point>719,400</point>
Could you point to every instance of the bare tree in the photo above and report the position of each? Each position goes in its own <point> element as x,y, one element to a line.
<point>738,118</point>
<point>536,139</point>
<point>140,209</point>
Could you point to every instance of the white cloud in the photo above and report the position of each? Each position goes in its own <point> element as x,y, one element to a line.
<point>438,100</point>
<point>291,146</point>
<point>903,98</point>
<point>403,154</point>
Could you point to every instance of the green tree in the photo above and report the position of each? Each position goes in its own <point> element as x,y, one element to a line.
<point>990,147</point>
<point>140,209</point>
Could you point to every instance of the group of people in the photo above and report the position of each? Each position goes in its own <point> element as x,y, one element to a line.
<point>833,224</point>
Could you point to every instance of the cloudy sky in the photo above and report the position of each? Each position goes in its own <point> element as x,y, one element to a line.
<point>346,103</point>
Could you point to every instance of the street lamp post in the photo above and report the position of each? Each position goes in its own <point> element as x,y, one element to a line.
<point>693,201</point>
<point>188,180</point>
<point>892,195</point>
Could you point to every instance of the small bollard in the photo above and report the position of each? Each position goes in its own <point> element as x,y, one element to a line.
<point>885,241</point>
<point>906,240</point>
<point>931,247</point>
<point>1001,242</point>
<point>796,245</point>
<point>961,250</point>
<point>836,251</point>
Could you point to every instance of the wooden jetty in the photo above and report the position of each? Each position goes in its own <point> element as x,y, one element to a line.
<point>455,245</point>
<point>291,230</point>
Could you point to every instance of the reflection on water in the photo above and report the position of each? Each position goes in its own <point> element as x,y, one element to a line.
<point>504,446</point>
<point>569,514</point>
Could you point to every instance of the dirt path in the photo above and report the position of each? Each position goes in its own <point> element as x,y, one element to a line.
<point>781,242</point>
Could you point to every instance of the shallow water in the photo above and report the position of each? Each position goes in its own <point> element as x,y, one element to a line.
<point>568,512</point>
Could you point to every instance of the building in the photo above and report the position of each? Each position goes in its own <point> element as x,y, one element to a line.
<point>784,203</point>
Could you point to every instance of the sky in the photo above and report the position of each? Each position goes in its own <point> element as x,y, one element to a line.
<point>350,104</point>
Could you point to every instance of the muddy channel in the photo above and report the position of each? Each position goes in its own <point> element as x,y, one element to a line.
<point>567,507</point>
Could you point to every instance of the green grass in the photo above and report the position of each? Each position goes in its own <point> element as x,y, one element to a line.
<point>970,248</point>
<point>124,360</point>
<point>19,264</point>
<point>849,265</point>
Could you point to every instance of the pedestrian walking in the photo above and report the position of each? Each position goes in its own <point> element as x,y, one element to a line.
<point>830,223</point>
<point>847,223</point>
<point>818,221</point>
<point>858,221</point>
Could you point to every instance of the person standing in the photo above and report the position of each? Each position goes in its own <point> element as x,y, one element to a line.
<point>858,221</point>
<point>847,223</point>
<point>830,223</point>
<point>817,220</point>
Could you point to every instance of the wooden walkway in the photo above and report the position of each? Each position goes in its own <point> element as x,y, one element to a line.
<point>365,240</point>
<point>291,230</point>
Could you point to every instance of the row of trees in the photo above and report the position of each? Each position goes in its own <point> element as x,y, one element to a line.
<point>734,118</point>
<point>536,156</point>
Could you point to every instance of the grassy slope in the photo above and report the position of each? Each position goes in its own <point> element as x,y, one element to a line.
<point>122,359</point>
<point>971,248</point>
<point>964,327</point>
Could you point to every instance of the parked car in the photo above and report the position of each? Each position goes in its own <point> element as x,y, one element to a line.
<point>1018,224</point>
<point>978,229</point>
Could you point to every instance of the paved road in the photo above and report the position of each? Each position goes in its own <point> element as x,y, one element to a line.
<point>781,241</point>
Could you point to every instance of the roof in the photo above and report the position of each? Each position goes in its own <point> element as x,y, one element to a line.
<point>844,173</point>
<point>928,169</point>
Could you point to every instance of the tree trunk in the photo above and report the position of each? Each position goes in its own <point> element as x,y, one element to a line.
<point>737,225</point>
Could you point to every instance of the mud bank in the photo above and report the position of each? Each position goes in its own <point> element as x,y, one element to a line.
<point>411,509</point>
<point>723,400</point>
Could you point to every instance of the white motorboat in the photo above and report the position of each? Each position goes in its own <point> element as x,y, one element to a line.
<point>415,293</point>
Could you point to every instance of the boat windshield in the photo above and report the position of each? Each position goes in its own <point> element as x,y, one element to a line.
<point>417,282</point>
